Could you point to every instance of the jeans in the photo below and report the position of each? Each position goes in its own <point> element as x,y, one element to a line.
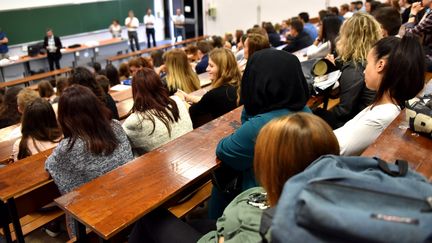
<point>150,33</point>
<point>179,32</point>
<point>133,37</point>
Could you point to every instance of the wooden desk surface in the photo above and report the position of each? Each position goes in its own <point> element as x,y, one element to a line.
<point>122,95</point>
<point>116,200</point>
<point>4,132</point>
<point>102,43</point>
<point>23,175</point>
<point>399,142</point>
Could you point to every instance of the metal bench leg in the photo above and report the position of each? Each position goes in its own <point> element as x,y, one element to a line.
<point>81,234</point>
<point>5,220</point>
<point>15,220</point>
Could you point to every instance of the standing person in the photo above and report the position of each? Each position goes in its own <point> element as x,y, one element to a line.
<point>3,45</point>
<point>132,25</point>
<point>115,29</point>
<point>179,21</point>
<point>149,20</point>
<point>53,45</point>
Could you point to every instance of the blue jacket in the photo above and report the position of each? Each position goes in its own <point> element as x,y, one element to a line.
<point>237,150</point>
<point>202,65</point>
<point>311,30</point>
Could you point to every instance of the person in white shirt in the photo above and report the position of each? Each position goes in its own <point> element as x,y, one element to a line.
<point>132,25</point>
<point>115,29</point>
<point>149,20</point>
<point>395,70</point>
<point>179,22</point>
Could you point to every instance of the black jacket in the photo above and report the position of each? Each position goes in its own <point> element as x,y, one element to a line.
<point>57,43</point>
<point>302,40</point>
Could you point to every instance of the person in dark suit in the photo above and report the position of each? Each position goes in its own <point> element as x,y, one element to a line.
<point>53,45</point>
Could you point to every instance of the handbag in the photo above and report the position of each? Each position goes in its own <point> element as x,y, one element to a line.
<point>419,114</point>
<point>227,180</point>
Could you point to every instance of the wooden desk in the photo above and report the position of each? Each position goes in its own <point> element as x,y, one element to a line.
<point>19,178</point>
<point>27,80</point>
<point>122,95</point>
<point>6,151</point>
<point>399,142</point>
<point>117,199</point>
<point>4,132</point>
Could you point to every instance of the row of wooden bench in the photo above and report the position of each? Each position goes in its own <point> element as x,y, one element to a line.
<point>27,80</point>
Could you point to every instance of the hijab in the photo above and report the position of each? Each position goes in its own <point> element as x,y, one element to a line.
<point>273,80</point>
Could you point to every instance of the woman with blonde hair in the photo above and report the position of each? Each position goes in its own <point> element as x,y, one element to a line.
<point>284,147</point>
<point>223,95</point>
<point>357,36</point>
<point>180,75</point>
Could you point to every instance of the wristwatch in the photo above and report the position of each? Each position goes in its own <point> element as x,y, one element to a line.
<point>412,15</point>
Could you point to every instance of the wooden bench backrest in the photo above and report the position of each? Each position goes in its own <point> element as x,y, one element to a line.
<point>35,77</point>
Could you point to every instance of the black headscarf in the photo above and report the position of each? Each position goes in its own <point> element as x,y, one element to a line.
<point>273,80</point>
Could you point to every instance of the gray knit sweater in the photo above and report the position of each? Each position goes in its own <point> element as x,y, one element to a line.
<point>71,169</point>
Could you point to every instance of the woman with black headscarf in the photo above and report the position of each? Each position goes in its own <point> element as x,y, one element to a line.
<point>272,86</point>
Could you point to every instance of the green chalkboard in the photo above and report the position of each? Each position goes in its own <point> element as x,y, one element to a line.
<point>28,25</point>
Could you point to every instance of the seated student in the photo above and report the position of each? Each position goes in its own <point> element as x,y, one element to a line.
<point>326,42</point>
<point>93,143</point>
<point>124,71</point>
<point>46,90</point>
<point>216,41</point>
<point>395,69</point>
<point>192,53</point>
<point>39,130</point>
<point>156,118</point>
<point>97,68</point>
<point>61,84</point>
<point>204,47</point>
<point>222,97</point>
<point>9,114</point>
<point>309,28</point>
<point>390,20</point>
<point>353,45</point>
<point>104,83</point>
<point>298,38</point>
<point>253,43</point>
<point>138,63</point>
<point>157,58</point>
<point>112,74</point>
<point>274,38</point>
<point>83,76</point>
<point>273,85</point>
<point>23,99</point>
<point>179,72</point>
<point>345,12</point>
<point>422,29</point>
<point>285,147</point>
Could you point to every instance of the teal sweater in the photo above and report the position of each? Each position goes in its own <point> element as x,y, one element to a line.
<point>237,150</point>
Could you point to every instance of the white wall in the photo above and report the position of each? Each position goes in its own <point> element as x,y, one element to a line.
<point>243,14</point>
<point>20,4</point>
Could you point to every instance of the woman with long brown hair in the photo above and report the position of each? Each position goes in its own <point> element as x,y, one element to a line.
<point>39,129</point>
<point>93,143</point>
<point>222,97</point>
<point>156,118</point>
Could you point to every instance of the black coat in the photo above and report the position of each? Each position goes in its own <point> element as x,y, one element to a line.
<point>57,43</point>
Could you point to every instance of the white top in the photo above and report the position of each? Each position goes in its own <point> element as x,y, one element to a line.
<point>134,24</point>
<point>115,31</point>
<point>51,44</point>
<point>149,21</point>
<point>319,51</point>
<point>348,15</point>
<point>35,146</point>
<point>361,131</point>
<point>139,129</point>
<point>179,20</point>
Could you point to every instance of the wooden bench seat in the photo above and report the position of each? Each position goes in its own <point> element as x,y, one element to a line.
<point>39,76</point>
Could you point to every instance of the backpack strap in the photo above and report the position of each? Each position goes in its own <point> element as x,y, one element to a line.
<point>266,221</point>
<point>401,164</point>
